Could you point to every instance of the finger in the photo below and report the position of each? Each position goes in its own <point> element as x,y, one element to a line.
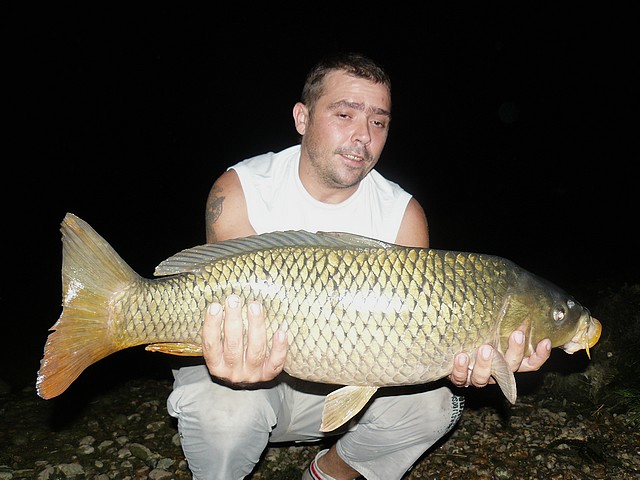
<point>537,358</point>
<point>233,342</point>
<point>211,336</point>
<point>515,350</point>
<point>481,373</point>
<point>274,364</point>
<point>460,373</point>
<point>256,349</point>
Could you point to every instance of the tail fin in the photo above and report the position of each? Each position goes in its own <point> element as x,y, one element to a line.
<point>91,273</point>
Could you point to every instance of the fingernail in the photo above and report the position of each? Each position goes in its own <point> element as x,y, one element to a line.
<point>486,352</point>
<point>281,334</point>
<point>255,307</point>
<point>518,336</point>
<point>547,345</point>
<point>215,308</point>
<point>233,301</point>
<point>462,359</point>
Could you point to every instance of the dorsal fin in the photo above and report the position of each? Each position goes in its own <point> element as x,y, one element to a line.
<point>192,259</point>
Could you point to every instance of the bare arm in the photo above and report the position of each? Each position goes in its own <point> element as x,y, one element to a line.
<point>226,212</point>
<point>223,344</point>
<point>414,229</point>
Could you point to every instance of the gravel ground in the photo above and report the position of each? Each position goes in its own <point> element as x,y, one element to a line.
<point>566,424</point>
<point>125,433</point>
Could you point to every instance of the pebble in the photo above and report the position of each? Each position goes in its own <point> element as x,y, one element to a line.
<point>129,437</point>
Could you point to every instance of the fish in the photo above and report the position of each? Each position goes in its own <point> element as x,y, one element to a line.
<point>360,313</point>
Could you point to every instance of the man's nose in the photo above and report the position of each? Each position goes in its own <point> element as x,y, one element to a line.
<point>361,134</point>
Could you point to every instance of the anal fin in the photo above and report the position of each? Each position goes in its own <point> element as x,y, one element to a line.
<point>176,348</point>
<point>342,404</point>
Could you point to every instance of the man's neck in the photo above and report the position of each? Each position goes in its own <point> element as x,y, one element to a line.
<point>317,188</point>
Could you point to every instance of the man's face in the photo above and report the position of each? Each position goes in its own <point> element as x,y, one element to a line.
<point>345,134</point>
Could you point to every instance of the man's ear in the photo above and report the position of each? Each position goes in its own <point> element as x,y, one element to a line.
<point>300,117</point>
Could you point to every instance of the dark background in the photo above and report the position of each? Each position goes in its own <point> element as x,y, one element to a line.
<point>514,125</point>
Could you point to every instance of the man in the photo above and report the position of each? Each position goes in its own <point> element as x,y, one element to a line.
<point>231,409</point>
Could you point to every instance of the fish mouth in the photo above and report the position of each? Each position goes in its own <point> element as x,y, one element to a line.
<point>586,337</point>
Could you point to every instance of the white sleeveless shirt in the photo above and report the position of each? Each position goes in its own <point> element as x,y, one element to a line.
<point>277,200</point>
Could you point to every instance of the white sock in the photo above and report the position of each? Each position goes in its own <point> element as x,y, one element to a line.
<point>313,472</point>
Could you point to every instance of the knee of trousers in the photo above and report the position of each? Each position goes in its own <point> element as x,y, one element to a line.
<point>221,416</point>
<point>396,430</point>
<point>422,417</point>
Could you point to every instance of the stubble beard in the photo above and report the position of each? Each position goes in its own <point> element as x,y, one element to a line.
<point>326,170</point>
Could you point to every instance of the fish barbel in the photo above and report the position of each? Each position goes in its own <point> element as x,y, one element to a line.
<point>359,312</point>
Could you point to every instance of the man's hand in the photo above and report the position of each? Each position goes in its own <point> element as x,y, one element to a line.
<point>480,375</point>
<point>224,349</point>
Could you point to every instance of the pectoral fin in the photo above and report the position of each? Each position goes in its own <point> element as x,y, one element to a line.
<point>504,377</point>
<point>342,404</point>
<point>181,349</point>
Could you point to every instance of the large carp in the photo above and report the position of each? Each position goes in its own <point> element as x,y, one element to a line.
<point>359,312</point>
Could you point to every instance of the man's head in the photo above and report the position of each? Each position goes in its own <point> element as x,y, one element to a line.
<point>353,64</point>
<point>343,119</point>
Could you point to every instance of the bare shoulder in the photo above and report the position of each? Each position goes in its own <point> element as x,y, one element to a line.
<point>414,229</point>
<point>226,211</point>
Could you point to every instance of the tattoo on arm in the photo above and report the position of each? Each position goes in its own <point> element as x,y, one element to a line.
<point>214,210</point>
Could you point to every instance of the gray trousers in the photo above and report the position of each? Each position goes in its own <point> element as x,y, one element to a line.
<point>224,431</point>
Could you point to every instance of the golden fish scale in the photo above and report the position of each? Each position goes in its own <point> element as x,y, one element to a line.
<point>391,316</point>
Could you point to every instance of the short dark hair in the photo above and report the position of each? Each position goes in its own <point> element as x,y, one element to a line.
<point>354,64</point>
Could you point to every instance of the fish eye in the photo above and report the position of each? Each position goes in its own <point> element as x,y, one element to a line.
<point>571,304</point>
<point>558,314</point>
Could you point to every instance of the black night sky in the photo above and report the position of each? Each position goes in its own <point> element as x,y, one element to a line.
<point>514,126</point>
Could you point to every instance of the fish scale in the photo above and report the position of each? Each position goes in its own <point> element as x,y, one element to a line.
<point>341,310</point>
<point>338,313</point>
<point>358,312</point>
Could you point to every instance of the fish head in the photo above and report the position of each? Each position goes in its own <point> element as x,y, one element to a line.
<point>549,312</point>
